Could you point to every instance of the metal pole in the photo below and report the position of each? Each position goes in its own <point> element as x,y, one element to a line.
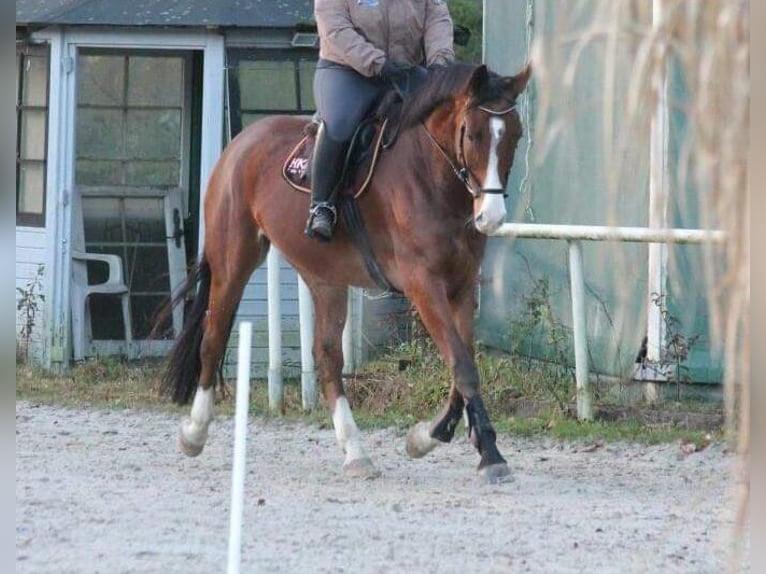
<point>606,233</point>
<point>240,437</point>
<point>276,391</point>
<point>577,287</point>
<point>308,373</point>
<point>658,201</point>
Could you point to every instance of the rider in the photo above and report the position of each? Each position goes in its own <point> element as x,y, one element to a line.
<point>365,45</point>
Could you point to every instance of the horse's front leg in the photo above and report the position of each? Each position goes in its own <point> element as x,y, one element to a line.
<point>330,312</point>
<point>451,326</point>
<point>425,436</point>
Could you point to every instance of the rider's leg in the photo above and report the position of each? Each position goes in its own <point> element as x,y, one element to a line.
<point>342,97</point>
<point>326,171</point>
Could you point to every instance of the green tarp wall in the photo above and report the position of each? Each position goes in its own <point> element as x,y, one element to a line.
<point>561,178</point>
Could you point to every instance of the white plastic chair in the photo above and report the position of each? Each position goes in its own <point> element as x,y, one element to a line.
<point>80,290</point>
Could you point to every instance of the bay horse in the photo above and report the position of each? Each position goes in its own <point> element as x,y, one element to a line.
<point>434,196</point>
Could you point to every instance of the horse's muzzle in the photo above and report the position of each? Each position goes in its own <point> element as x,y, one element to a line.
<point>492,213</point>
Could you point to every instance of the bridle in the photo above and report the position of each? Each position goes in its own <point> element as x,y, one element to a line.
<point>464,172</point>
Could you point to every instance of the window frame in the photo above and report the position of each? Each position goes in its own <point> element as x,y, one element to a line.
<point>25,50</point>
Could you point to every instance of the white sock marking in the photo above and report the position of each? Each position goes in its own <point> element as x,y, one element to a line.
<point>346,431</point>
<point>195,431</point>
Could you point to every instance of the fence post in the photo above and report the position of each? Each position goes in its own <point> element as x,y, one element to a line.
<point>577,288</point>
<point>306,319</point>
<point>276,391</point>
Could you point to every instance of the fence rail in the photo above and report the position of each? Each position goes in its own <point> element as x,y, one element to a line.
<point>573,234</point>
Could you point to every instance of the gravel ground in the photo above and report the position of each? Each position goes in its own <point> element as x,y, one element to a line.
<point>108,491</point>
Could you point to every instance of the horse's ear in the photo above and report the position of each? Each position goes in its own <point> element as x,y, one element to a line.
<point>478,81</point>
<point>516,84</point>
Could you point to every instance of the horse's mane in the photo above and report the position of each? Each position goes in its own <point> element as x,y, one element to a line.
<point>442,85</point>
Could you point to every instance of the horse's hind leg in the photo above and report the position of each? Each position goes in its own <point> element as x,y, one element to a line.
<point>230,270</point>
<point>330,311</point>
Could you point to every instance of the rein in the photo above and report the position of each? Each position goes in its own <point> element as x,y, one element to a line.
<point>464,173</point>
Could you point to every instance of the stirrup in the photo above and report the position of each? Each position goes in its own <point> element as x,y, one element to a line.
<point>324,231</point>
<point>324,205</point>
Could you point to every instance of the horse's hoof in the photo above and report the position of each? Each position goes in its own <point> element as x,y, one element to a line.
<point>495,473</point>
<point>419,441</point>
<point>361,468</point>
<point>188,448</point>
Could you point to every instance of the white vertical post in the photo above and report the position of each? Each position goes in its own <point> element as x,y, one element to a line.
<point>308,373</point>
<point>658,203</point>
<point>349,361</point>
<point>212,117</point>
<point>577,287</point>
<point>276,391</point>
<point>240,438</point>
<point>352,332</point>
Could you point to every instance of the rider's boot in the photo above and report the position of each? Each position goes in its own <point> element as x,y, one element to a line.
<point>326,171</point>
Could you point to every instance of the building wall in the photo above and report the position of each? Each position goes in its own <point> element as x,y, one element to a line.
<point>254,308</point>
<point>30,258</point>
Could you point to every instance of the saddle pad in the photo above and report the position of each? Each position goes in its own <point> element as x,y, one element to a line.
<point>297,167</point>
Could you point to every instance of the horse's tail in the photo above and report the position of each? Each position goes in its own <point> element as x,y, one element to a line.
<point>182,373</point>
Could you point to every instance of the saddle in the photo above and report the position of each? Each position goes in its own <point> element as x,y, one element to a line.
<point>364,149</point>
<point>361,158</point>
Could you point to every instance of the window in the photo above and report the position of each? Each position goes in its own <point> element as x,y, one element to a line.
<point>129,120</point>
<point>267,82</point>
<point>31,132</point>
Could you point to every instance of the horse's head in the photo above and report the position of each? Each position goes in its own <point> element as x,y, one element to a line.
<point>488,131</point>
<point>471,119</point>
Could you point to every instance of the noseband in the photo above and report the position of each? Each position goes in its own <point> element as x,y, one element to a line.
<point>464,173</point>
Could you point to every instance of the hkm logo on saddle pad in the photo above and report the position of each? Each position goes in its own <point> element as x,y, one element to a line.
<point>297,168</point>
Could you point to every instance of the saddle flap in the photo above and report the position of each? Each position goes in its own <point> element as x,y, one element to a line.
<point>364,153</point>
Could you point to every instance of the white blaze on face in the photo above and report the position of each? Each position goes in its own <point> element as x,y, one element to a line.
<point>492,212</point>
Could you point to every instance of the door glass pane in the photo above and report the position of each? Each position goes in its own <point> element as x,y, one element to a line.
<point>155,81</point>
<point>248,119</point>
<point>162,174</point>
<point>102,220</point>
<point>35,81</point>
<point>100,172</point>
<point>33,134</point>
<point>101,80</point>
<point>267,85</point>
<point>154,134</point>
<point>31,189</point>
<point>99,133</point>
<point>146,220</point>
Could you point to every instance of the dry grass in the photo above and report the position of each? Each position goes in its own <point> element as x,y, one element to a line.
<point>706,46</point>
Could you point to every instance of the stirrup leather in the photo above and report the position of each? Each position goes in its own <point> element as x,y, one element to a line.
<point>324,205</point>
